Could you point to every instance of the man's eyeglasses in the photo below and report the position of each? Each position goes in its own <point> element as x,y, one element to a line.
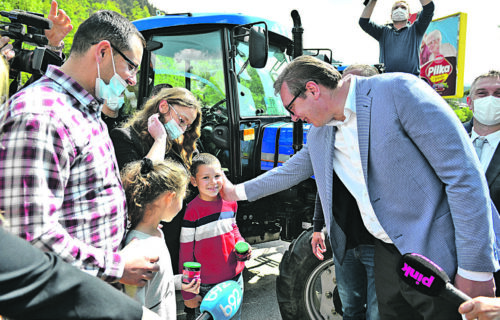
<point>182,123</point>
<point>132,66</point>
<point>288,107</point>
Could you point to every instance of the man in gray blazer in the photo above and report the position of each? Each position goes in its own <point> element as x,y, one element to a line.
<point>406,159</point>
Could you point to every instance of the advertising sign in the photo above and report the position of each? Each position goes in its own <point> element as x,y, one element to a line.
<point>442,55</point>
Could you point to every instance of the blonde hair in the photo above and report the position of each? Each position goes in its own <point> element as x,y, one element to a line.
<point>144,181</point>
<point>4,80</point>
<point>181,97</point>
<point>4,94</point>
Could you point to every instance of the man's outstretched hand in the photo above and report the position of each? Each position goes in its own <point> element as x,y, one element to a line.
<point>228,191</point>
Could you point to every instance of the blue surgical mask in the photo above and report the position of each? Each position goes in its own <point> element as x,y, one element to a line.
<point>115,104</point>
<point>110,92</point>
<point>173,129</point>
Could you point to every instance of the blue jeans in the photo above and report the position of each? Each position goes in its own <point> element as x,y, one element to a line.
<point>356,284</point>
<point>204,288</point>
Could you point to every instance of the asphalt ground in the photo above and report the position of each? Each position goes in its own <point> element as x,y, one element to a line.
<point>259,298</point>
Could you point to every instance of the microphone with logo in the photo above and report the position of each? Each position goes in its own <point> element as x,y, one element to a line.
<point>221,302</point>
<point>427,277</point>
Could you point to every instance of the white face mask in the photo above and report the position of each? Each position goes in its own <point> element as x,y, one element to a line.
<point>400,14</point>
<point>487,110</point>
<point>110,92</point>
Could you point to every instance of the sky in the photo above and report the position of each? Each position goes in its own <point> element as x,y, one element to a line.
<point>334,24</point>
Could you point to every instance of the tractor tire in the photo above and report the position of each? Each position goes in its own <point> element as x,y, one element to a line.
<point>306,286</point>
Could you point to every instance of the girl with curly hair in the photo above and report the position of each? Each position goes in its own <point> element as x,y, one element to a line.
<point>154,192</point>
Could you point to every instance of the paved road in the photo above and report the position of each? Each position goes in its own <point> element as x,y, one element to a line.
<point>260,274</point>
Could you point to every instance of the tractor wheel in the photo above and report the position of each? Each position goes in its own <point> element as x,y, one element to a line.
<point>306,286</point>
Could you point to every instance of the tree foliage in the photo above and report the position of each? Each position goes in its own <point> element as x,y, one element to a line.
<point>462,111</point>
<point>79,10</point>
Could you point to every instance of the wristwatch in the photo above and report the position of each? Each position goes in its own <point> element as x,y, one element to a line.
<point>56,48</point>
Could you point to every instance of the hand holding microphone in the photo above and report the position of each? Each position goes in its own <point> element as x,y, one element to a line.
<point>482,308</point>
<point>221,302</point>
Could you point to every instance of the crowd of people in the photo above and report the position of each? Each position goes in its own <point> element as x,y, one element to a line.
<point>395,172</point>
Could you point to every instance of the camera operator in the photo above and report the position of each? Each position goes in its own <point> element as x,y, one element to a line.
<point>61,26</point>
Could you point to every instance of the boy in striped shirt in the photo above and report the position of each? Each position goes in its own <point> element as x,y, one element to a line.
<point>209,232</point>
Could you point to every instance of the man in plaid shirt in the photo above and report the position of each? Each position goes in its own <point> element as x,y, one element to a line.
<point>60,187</point>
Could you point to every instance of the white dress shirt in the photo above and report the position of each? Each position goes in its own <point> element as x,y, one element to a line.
<point>488,148</point>
<point>347,164</point>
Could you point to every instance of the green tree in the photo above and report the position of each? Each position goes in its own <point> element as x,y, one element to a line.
<point>463,112</point>
<point>79,10</point>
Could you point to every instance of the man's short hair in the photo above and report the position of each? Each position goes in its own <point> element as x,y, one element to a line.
<point>105,25</point>
<point>401,1</point>
<point>364,70</point>
<point>489,74</point>
<point>306,68</point>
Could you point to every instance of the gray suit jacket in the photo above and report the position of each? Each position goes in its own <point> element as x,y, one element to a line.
<point>492,172</point>
<point>493,177</point>
<point>423,177</point>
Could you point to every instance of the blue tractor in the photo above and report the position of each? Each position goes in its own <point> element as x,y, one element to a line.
<point>229,62</point>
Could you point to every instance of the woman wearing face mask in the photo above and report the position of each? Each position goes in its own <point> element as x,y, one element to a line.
<point>168,126</point>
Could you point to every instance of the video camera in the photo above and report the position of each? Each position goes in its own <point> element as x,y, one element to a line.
<point>28,27</point>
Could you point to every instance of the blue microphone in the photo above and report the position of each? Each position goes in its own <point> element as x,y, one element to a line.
<point>427,277</point>
<point>221,302</point>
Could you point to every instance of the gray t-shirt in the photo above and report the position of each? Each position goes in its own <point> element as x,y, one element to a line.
<point>158,294</point>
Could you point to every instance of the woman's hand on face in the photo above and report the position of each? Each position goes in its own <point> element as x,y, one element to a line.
<point>156,128</point>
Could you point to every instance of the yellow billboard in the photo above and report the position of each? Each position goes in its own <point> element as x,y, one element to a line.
<point>442,55</point>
